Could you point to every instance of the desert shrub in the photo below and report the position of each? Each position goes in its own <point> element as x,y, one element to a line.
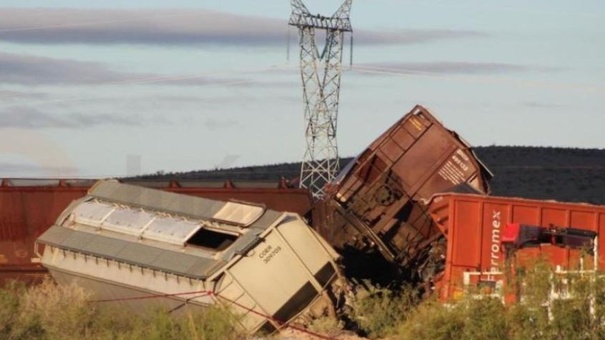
<point>329,325</point>
<point>9,307</point>
<point>161,325</point>
<point>114,323</point>
<point>378,312</point>
<point>467,319</point>
<point>483,319</point>
<point>50,311</point>
<point>213,323</point>
<point>431,320</point>
<point>580,314</point>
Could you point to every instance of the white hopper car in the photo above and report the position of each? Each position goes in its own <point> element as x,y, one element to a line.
<point>142,247</point>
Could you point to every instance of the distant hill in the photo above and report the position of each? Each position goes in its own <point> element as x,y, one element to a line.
<point>563,174</point>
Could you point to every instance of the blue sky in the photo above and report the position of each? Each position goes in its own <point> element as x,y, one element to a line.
<point>188,85</point>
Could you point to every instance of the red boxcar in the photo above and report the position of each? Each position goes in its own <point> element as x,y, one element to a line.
<point>373,206</point>
<point>30,206</point>
<point>473,225</point>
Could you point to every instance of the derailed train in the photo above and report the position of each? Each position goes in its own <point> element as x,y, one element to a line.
<point>30,206</point>
<point>377,203</point>
<point>381,213</point>
<point>478,229</point>
<point>375,207</point>
<point>142,247</point>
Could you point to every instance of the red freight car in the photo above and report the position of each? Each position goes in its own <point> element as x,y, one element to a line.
<point>373,204</point>
<point>474,226</point>
<point>30,206</point>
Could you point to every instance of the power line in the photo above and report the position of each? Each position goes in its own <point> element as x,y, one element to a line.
<point>150,80</point>
<point>479,79</point>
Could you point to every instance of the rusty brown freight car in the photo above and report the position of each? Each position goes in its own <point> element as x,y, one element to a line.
<point>30,206</point>
<point>474,226</point>
<point>374,204</point>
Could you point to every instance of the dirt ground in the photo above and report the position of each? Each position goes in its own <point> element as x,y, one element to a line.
<point>292,334</point>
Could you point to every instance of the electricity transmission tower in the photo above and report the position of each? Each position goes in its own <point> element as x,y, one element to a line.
<point>320,74</point>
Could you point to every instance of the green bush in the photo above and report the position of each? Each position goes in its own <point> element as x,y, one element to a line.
<point>52,312</point>
<point>378,312</point>
<point>9,307</point>
<point>580,315</point>
<point>213,323</point>
<point>329,325</point>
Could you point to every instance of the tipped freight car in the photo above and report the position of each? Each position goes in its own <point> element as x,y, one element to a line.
<point>476,226</point>
<point>375,203</point>
<point>144,248</point>
<point>30,206</point>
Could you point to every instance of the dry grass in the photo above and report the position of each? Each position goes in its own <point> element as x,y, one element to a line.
<point>53,312</point>
<point>48,311</point>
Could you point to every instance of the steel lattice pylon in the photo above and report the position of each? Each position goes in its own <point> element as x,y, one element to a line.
<point>320,74</point>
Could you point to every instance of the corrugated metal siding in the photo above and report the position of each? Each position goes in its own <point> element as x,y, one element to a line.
<point>180,263</point>
<point>202,268</point>
<point>106,246</point>
<point>138,253</point>
<point>78,240</point>
<point>128,252</point>
<point>267,219</point>
<point>55,236</point>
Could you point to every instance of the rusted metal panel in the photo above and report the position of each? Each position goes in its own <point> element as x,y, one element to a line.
<point>30,206</point>
<point>25,212</point>
<point>473,225</point>
<point>376,202</point>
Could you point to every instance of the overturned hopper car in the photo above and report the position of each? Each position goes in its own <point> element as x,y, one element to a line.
<point>375,204</point>
<point>125,243</point>
<point>475,227</point>
<point>30,206</point>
